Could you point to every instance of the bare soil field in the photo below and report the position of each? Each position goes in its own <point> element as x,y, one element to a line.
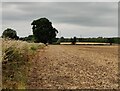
<point>74,67</point>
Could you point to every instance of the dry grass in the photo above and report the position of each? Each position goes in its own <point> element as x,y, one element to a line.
<point>16,56</point>
<point>85,43</point>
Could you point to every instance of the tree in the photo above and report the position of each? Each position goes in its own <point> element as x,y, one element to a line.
<point>74,40</point>
<point>30,38</point>
<point>10,33</point>
<point>43,30</point>
<point>110,40</point>
<point>62,39</point>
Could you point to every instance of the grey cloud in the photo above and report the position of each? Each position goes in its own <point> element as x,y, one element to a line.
<point>86,14</point>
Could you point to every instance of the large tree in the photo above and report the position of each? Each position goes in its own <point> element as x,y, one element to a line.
<point>43,30</point>
<point>9,33</point>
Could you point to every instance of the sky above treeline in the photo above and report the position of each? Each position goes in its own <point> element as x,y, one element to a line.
<point>80,19</point>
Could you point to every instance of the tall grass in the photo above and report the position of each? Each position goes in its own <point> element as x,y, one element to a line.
<point>15,62</point>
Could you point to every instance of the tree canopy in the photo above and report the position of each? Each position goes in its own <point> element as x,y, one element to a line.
<point>74,40</point>
<point>110,40</point>
<point>43,30</point>
<point>9,33</point>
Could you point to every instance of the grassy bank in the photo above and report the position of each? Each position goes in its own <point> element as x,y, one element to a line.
<point>16,56</point>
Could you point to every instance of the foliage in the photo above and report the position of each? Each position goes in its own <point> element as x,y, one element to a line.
<point>62,39</point>
<point>115,40</point>
<point>10,33</point>
<point>58,40</point>
<point>110,40</point>
<point>73,40</point>
<point>30,38</point>
<point>16,56</point>
<point>43,30</point>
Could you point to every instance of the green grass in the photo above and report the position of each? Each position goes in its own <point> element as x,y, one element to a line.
<point>16,56</point>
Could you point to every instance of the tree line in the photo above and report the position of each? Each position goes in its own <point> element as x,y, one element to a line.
<point>111,40</point>
<point>44,32</point>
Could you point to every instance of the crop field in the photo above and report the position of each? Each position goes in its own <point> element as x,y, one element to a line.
<point>85,43</point>
<point>75,67</point>
<point>59,46</point>
<point>34,66</point>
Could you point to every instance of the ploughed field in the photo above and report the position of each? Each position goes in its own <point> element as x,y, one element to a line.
<point>74,67</point>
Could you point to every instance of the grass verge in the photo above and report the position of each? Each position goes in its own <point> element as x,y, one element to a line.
<point>16,56</point>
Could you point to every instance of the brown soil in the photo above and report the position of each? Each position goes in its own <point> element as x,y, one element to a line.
<point>74,67</point>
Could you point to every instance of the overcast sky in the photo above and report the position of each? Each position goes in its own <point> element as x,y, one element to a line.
<point>80,19</point>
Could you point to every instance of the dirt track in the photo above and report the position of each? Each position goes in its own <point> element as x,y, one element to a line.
<point>74,67</point>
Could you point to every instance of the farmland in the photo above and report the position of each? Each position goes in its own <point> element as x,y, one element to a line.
<point>74,67</point>
<point>84,43</point>
<point>59,46</point>
<point>34,66</point>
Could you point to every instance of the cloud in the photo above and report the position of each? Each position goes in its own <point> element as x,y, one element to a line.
<point>60,0</point>
<point>84,14</point>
